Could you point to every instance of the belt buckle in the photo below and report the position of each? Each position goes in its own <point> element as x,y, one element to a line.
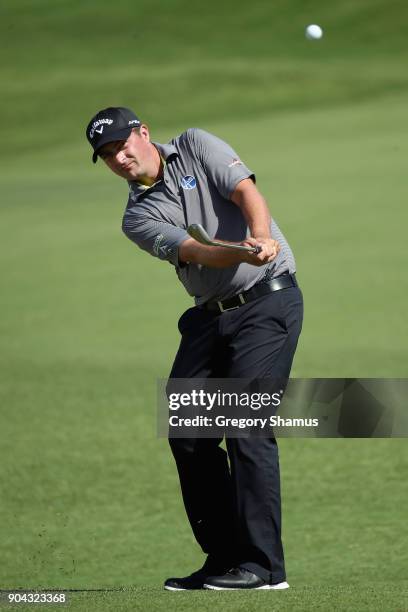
<point>241,299</point>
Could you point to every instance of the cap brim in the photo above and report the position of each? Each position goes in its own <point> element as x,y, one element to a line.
<point>111,137</point>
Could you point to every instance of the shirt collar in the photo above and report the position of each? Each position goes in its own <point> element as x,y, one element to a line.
<point>165,150</point>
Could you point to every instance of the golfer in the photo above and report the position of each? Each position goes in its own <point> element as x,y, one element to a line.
<point>245,323</point>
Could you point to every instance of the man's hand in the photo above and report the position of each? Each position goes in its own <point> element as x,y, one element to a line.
<point>270,249</point>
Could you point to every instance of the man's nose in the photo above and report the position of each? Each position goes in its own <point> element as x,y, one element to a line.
<point>121,157</point>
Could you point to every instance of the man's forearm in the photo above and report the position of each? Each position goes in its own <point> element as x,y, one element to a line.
<point>191,251</point>
<point>254,208</point>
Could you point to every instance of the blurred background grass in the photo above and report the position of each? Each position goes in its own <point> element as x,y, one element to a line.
<point>88,322</point>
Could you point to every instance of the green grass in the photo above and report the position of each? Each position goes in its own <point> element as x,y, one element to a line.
<point>89,495</point>
<point>370,598</point>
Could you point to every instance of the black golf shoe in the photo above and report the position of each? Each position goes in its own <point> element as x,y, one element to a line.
<point>195,581</point>
<point>240,578</point>
<point>189,583</point>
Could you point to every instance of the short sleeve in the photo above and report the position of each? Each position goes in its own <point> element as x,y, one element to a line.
<point>158,238</point>
<point>222,164</point>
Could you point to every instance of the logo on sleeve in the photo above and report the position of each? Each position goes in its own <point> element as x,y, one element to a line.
<point>235,162</point>
<point>156,245</point>
<point>188,182</point>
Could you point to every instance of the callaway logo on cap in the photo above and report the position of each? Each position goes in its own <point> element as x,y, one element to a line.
<point>110,124</point>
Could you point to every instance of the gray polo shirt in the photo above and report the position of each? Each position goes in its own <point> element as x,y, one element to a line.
<point>200,173</point>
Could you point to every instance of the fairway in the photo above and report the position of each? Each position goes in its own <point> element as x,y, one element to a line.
<point>90,496</point>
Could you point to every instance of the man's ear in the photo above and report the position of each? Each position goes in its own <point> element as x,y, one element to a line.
<point>144,132</point>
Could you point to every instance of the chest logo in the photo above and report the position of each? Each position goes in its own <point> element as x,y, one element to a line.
<point>188,182</point>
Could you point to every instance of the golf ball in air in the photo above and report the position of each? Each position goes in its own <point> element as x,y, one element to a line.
<point>314,32</point>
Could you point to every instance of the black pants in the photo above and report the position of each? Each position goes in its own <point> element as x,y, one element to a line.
<point>235,509</point>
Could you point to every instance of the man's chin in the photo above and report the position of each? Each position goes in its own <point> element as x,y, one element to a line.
<point>130,174</point>
<point>134,172</point>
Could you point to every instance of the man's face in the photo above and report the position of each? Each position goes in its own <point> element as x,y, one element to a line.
<point>134,159</point>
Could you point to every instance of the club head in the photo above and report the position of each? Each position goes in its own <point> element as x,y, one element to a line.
<point>197,232</point>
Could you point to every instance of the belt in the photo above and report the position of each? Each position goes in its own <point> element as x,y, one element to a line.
<point>276,284</point>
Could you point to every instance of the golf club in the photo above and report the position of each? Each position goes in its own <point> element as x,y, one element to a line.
<point>197,232</point>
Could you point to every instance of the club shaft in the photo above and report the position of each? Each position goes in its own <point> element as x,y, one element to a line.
<point>197,232</point>
<point>237,247</point>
